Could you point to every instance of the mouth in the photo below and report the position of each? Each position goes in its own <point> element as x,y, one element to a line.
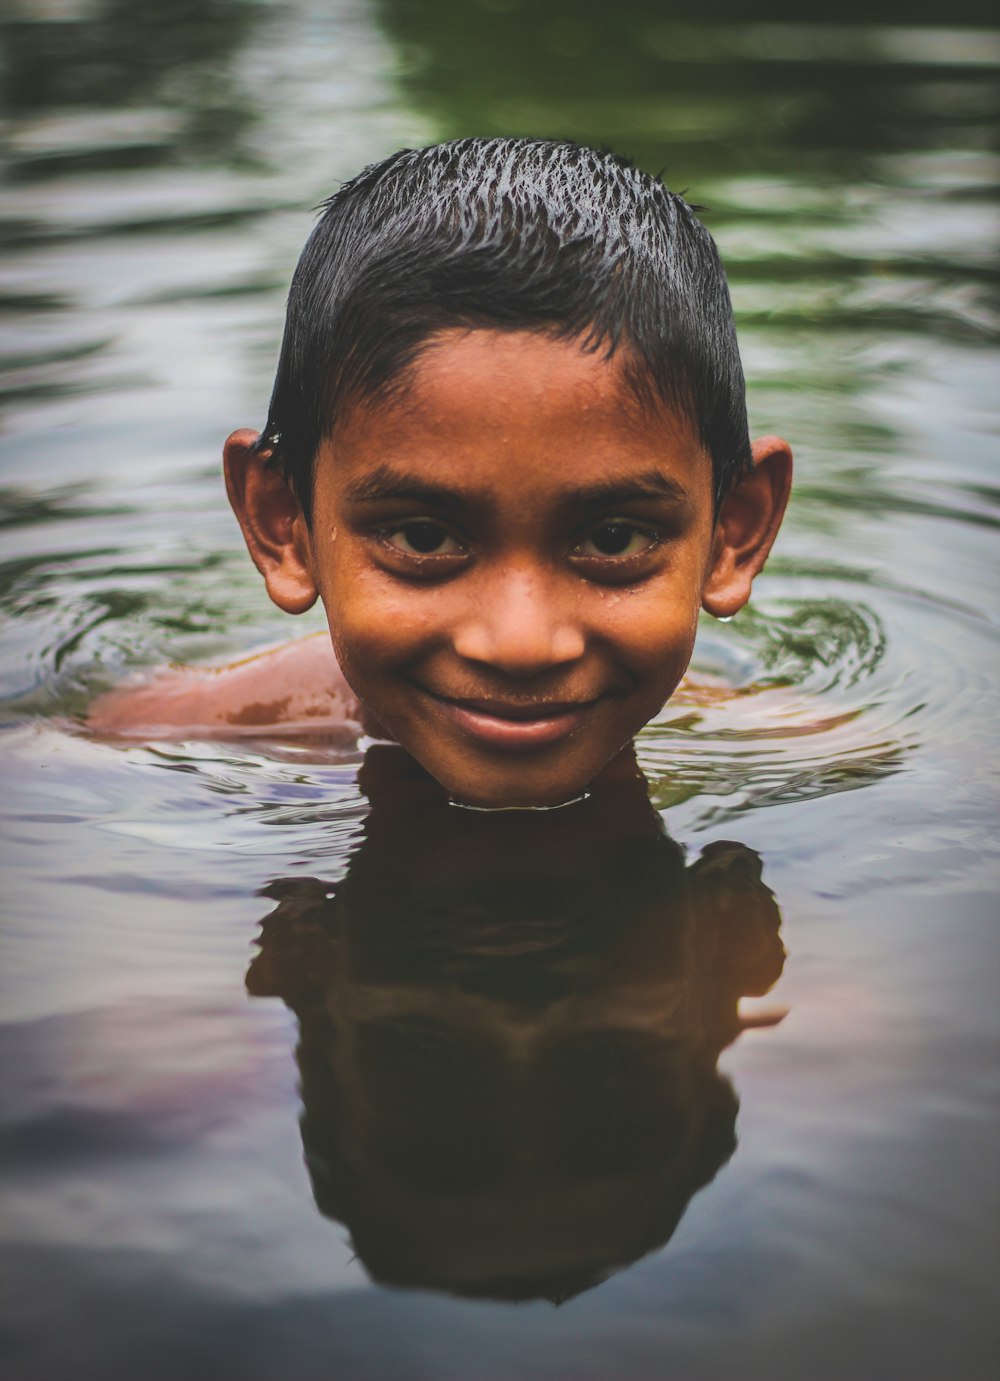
<point>516,726</point>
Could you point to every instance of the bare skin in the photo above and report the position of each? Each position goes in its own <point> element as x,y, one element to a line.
<point>295,688</point>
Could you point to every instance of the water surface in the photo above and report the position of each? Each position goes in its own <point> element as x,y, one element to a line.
<point>256,1124</point>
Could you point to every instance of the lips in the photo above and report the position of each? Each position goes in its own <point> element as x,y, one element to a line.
<point>514,725</point>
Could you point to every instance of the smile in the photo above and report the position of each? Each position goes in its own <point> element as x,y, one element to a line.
<point>512,725</point>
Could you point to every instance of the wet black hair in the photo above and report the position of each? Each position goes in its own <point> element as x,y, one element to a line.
<point>510,234</point>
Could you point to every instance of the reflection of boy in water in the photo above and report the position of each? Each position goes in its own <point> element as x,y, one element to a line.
<point>507,448</point>
<point>509,1030</point>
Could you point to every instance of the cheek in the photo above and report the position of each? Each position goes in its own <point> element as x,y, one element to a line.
<point>374,626</point>
<point>655,632</point>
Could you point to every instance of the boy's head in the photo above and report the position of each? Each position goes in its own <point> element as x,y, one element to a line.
<point>508,447</point>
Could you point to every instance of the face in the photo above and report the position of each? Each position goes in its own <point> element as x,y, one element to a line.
<point>512,556</point>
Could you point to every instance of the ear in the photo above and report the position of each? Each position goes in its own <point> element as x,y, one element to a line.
<point>274,526</point>
<point>747,526</point>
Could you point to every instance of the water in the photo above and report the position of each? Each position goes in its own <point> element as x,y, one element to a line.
<point>517,1055</point>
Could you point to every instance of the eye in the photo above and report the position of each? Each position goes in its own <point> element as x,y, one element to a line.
<point>422,537</point>
<point>616,538</point>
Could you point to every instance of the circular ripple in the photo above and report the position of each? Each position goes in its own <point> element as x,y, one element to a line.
<point>815,692</point>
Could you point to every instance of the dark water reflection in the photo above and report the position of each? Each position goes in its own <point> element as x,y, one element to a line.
<point>159,1220</point>
<point>509,1029</point>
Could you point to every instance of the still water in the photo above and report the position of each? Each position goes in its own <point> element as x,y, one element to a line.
<point>306,1075</point>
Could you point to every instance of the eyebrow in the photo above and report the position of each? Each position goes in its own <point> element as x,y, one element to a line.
<point>649,484</point>
<point>384,483</point>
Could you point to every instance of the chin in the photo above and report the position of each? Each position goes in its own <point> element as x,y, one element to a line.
<point>504,790</point>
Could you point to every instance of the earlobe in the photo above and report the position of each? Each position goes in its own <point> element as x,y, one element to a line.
<point>272,521</point>
<point>746,527</point>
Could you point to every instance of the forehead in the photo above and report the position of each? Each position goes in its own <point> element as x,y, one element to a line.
<point>517,408</point>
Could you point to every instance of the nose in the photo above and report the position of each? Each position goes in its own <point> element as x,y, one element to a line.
<point>521,623</point>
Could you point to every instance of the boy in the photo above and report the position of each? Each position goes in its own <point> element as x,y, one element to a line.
<point>507,447</point>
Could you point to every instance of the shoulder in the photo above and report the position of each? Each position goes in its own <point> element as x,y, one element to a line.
<point>297,685</point>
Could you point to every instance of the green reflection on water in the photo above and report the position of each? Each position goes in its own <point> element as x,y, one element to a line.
<point>697,85</point>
